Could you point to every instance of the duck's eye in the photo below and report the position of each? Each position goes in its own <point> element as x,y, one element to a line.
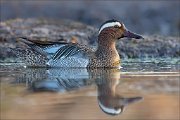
<point>116,26</point>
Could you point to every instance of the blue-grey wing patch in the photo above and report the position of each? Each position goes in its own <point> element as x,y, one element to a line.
<point>51,50</point>
<point>66,51</point>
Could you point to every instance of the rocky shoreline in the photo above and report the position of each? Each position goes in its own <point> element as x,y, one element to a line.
<point>71,31</point>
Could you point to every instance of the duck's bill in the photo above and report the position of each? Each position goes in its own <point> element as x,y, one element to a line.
<point>127,101</point>
<point>130,34</point>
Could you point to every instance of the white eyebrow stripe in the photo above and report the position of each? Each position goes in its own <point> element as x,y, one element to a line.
<point>109,25</point>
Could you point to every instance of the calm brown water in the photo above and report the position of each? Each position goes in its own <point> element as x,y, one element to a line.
<point>134,92</point>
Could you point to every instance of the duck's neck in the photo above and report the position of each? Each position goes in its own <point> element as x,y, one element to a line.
<point>105,44</point>
<point>106,47</point>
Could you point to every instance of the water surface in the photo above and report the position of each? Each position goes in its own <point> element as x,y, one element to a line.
<point>140,90</point>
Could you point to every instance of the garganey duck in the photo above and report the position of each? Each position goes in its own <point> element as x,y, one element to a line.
<point>62,54</point>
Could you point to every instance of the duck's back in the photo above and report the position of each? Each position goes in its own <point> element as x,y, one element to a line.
<point>54,54</point>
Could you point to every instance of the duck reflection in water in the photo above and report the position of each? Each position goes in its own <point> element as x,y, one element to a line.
<point>63,80</point>
<point>109,100</point>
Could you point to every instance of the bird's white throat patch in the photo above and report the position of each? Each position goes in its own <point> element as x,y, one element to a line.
<point>111,24</point>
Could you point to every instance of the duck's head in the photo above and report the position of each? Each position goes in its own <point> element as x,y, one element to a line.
<point>114,105</point>
<point>116,30</point>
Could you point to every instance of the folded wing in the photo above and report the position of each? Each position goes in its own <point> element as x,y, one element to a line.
<point>58,54</point>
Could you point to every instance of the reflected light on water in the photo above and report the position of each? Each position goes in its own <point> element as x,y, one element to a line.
<point>41,93</point>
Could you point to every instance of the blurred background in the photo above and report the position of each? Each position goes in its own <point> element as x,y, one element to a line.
<point>145,17</point>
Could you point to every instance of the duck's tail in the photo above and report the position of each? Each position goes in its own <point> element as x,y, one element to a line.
<point>30,53</point>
